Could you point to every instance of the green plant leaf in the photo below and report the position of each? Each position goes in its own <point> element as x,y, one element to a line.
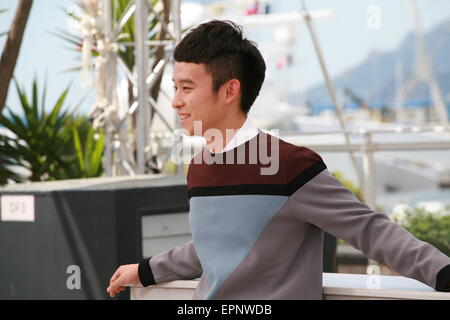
<point>15,124</point>
<point>96,160</point>
<point>52,118</point>
<point>78,150</point>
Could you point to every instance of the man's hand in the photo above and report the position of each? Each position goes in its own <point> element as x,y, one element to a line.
<point>124,275</point>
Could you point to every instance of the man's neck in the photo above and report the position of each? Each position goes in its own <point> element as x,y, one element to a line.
<point>217,145</point>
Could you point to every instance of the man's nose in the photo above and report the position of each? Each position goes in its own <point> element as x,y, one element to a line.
<point>177,102</point>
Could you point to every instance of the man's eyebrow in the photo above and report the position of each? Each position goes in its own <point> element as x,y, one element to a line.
<point>185,81</point>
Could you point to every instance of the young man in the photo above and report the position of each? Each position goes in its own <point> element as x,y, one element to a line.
<point>257,234</point>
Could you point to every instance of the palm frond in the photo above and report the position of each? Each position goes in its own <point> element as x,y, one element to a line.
<point>44,141</point>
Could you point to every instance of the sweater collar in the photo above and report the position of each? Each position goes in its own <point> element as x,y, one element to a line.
<point>246,132</point>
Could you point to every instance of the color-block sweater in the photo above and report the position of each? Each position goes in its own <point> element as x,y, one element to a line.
<point>259,235</point>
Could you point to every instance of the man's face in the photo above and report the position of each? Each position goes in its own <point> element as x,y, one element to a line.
<point>194,98</point>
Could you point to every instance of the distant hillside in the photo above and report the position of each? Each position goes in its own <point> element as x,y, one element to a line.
<point>374,80</point>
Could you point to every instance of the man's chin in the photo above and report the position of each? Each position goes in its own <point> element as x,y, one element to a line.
<point>191,130</point>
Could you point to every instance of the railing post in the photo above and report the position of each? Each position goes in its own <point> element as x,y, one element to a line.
<point>369,180</point>
<point>368,168</point>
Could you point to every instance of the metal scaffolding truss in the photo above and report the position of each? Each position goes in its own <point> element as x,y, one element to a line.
<point>127,129</point>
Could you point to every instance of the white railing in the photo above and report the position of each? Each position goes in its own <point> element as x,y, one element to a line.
<point>336,286</point>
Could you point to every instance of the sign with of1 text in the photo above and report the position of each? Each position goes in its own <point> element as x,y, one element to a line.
<point>17,208</point>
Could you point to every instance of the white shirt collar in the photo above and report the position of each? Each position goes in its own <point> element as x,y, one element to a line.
<point>246,132</point>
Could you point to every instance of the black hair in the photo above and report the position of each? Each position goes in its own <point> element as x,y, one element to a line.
<point>222,47</point>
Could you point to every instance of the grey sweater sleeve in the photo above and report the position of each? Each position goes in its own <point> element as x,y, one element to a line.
<point>325,203</point>
<point>179,263</point>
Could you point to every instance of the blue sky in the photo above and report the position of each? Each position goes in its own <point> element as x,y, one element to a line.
<point>345,39</point>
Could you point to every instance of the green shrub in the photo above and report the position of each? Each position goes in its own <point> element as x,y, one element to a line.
<point>431,227</point>
<point>50,145</point>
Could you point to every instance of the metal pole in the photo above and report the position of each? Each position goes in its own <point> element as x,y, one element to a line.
<point>329,84</point>
<point>108,154</point>
<point>399,95</point>
<point>369,181</point>
<point>176,18</point>
<point>142,93</point>
<point>424,69</point>
<point>368,168</point>
<point>117,129</point>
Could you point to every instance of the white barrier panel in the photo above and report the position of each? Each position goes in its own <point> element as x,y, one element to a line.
<point>336,286</point>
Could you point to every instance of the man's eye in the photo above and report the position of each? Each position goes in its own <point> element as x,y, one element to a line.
<point>186,88</point>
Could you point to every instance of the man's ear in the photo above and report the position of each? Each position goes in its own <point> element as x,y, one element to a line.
<point>233,90</point>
